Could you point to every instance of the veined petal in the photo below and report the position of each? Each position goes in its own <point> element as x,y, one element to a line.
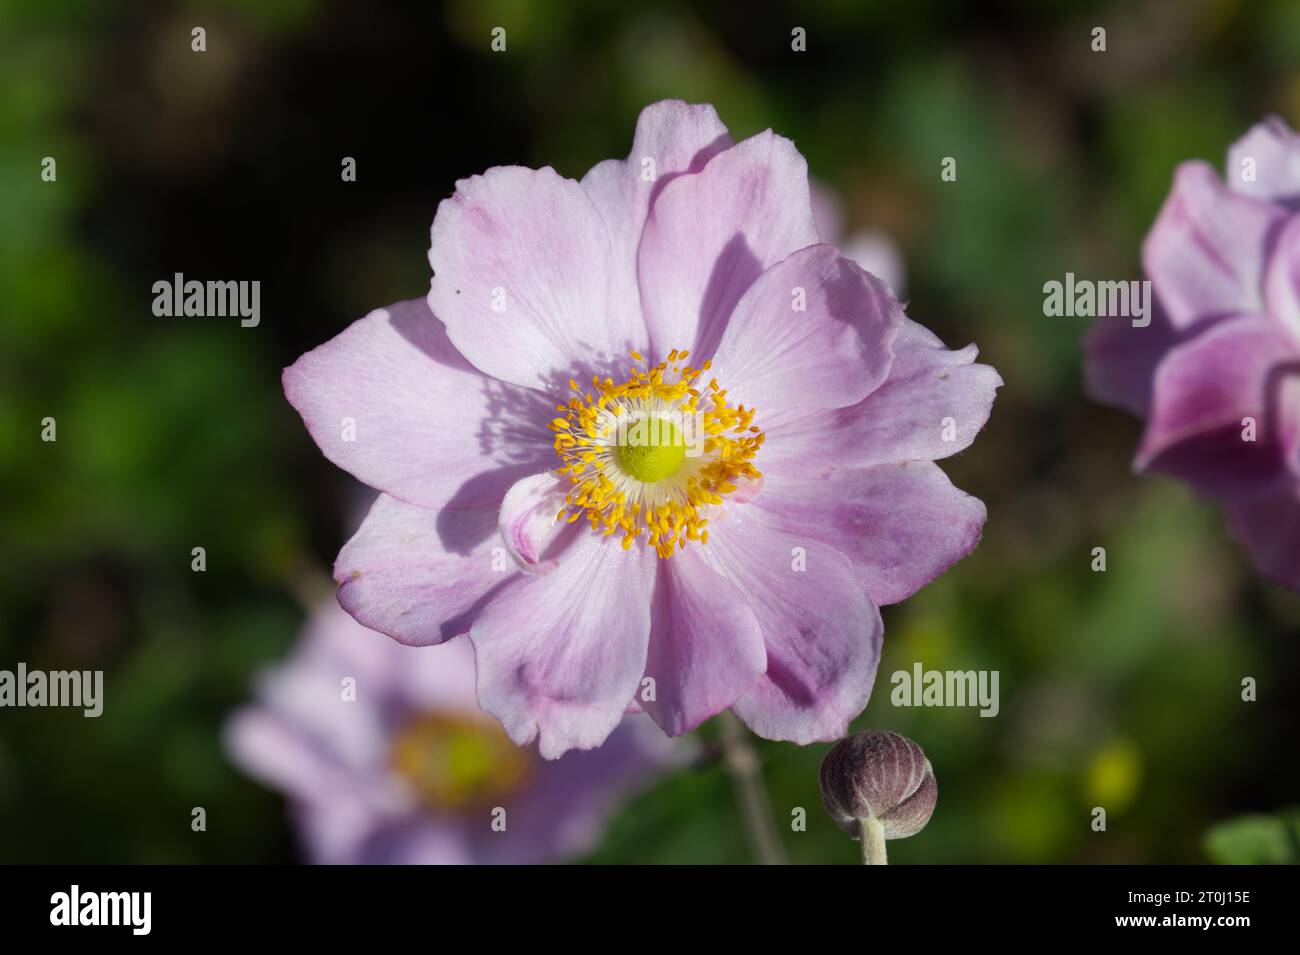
<point>932,405</point>
<point>391,402</point>
<point>706,647</point>
<point>820,628</point>
<point>710,235</point>
<point>560,655</point>
<point>419,575</point>
<point>902,525</point>
<point>814,331</point>
<point>672,138</point>
<point>522,274</point>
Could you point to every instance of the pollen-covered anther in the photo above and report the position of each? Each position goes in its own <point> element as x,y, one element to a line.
<point>649,456</point>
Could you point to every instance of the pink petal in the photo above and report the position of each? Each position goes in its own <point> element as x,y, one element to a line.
<point>710,235</point>
<point>1268,527</point>
<point>902,525</point>
<point>560,655</point>
<point>1205,255</point>
<point>1275,150</point>
<point>429,428</point>
<point>269,748</point>
<point>678,138</point>
<point>833,352</point>
<point>523,275</point>
<point>931,395</point>
<point>1120,359</point>
<point>303,738</point>
<point>1203,390</point>
<point>821,631</point>
<point>1286,421</point>
<point>1282,280</point>
<point>528,524</point>
<point>418,575</point>
<point>706,648</point>
<point>418,840</point>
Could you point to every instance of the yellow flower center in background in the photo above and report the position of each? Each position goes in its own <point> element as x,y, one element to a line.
<point>456,763</point>
<point>647,456</point>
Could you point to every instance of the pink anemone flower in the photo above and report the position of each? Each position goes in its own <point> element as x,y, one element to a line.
<point>650,443</point>
<point>1216,373</point>
<point>385,758</point>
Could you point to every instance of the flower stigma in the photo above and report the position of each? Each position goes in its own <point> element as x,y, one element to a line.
<point>659,455</point>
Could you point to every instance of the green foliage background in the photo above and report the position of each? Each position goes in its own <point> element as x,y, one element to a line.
<point>1119,689</point>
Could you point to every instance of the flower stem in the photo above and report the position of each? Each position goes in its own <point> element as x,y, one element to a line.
<point>742,762</point>
<point>873,841</point>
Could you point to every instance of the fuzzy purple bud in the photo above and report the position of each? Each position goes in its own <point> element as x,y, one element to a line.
<point>880,776</point>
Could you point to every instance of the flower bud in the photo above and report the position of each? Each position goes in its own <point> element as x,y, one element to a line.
<point>880,776</point>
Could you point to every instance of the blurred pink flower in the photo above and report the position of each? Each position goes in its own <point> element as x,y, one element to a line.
<point>1216,374</point>
<point>410,770</point>
<point>518,507</point>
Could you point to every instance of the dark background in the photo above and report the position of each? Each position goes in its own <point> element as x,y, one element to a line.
<point>1119,689</point>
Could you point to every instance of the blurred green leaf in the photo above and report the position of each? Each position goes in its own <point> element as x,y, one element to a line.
<point>1256,840</point>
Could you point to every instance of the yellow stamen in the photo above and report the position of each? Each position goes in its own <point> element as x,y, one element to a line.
<point>653,490</point>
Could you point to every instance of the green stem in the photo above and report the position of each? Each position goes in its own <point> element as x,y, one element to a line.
<point>873,841</point>
<point>746,772</point>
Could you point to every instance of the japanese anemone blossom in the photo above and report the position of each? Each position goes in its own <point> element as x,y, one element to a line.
<point>1216,374</point>
<point>649,443</point>
<point>387,759</point>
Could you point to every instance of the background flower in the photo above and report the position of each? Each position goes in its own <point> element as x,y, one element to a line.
<point>1216,374</point>
<point>408,769</point>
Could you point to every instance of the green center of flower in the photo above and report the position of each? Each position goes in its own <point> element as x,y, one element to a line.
<point>652,449</point>
<point>454,763</point>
